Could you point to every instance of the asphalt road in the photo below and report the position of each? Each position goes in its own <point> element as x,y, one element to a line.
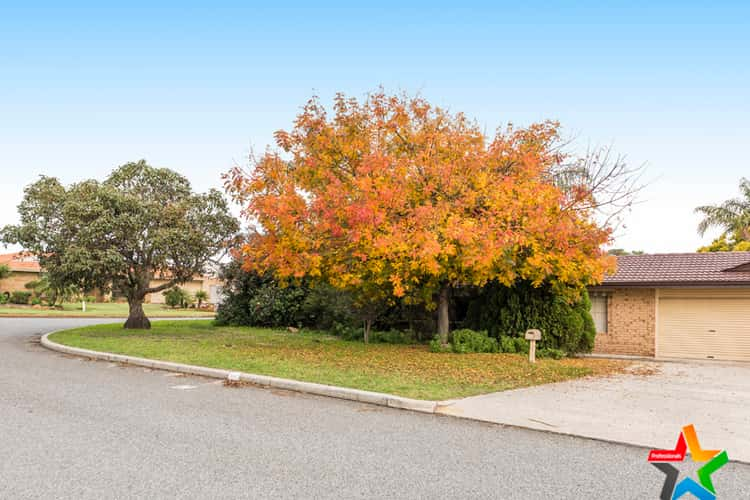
<point>71,428</point>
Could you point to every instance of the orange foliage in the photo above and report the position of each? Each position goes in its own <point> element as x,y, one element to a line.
<point>401,195</point>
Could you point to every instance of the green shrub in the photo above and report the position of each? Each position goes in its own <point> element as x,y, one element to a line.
<point>508,344</point>
<point>252,299</point>
<point>522,345</point>
<point>19,297</point>
<point>36,301</point>
<point>550,353</point>
<point>437,346</point>
<point>324,305</point>
<point>468,341</point>
<point>502,310</point>
<point>393,337</point>
<point>176,297</point>
<point>4,298</point>
<point>347,332</point>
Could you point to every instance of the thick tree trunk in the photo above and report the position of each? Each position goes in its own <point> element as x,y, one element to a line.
<point>137,319</point>
<point>443,315</point>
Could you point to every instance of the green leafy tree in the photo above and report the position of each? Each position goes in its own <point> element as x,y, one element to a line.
<point>733,242</point>
<point>621,251</point>
<point>139,223</point>
<point>733,217</point>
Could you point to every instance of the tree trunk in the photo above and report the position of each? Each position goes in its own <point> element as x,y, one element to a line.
<point>83,305</point>
<point>368,325</point>
<point>443,315</point>
<point>137,319</point>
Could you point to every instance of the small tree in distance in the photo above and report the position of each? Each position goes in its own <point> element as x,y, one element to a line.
<point>621,251</point>
<point>174,297</point>
<point>201,296</point>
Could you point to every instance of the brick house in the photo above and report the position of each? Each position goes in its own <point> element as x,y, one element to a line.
<point>25,268</point>
<point>688,305</point>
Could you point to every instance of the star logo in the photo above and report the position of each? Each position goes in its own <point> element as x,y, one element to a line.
<point>704,488</point>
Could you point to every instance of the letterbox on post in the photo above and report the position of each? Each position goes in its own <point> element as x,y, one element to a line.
<point>532,336</point>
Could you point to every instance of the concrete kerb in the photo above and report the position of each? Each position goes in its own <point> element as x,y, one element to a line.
<point>375,398</point>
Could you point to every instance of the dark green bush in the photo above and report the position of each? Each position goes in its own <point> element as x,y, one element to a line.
<point>252,299</point>
<point>468,341</point>
<point>437,346</point>
<point>504,311</point>
<point>325,306</point>
<point>508,344</point>
<point>4,297</point>
<point>522,345</point>
<point>176,297</point>
<point>393,337</point>
<point>405,316</point>
<point>19,297</point>
<point>347,332</point>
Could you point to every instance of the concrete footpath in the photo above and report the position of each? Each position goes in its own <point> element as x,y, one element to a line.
<point>646,410</point>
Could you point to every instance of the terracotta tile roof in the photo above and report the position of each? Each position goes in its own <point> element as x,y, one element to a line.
<point>717,268</point>
<point>20,262</point>
<point>23,262</point>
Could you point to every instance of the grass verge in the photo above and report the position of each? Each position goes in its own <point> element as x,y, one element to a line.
<point>406,370</point>
<point>101,310</point>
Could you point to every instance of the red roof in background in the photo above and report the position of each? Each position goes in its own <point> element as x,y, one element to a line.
<point>680,269</point>
<point>24,262</point>
<point>20,261</point>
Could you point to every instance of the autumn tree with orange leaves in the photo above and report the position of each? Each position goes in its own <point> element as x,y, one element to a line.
<point>394,197</point>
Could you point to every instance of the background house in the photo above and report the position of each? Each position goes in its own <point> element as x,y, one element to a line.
<point>208,282</point>
<point>25,268</point>
<point>686,305</point>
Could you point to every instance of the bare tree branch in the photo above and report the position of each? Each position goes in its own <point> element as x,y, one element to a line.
<point>599,182</point>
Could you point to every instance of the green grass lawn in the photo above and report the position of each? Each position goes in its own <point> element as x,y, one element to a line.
<point>106,310</point>
<point>406,370</point>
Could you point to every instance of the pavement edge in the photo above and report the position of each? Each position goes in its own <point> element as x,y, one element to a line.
<point>375,398</point>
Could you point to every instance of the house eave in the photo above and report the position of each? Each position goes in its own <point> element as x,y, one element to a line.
<point>671,284</point>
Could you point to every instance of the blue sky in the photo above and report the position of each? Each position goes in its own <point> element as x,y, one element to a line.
<point>86,87</point>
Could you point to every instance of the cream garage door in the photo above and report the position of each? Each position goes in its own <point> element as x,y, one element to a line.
<point>705,328</point>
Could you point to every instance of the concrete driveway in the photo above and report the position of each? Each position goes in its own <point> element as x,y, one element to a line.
<point>646,410</point>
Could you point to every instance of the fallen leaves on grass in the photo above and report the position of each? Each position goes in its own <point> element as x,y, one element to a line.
<point>407,370</point>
